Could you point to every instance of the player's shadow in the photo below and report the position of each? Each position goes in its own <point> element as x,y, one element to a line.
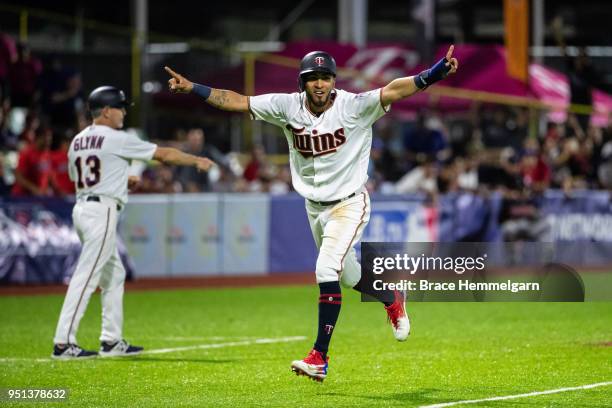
<point>414,398</point>
<point>137,359</point>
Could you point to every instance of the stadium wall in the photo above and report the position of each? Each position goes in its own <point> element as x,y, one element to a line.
<point>256,234</point>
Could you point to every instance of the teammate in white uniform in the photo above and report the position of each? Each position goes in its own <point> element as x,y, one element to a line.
<point>329,132</point>
<point>99,158</point>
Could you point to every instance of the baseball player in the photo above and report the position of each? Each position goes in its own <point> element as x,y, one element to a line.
<point>99,158</point>
<point>329,132</point>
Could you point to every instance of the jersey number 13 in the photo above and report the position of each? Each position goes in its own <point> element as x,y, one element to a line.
<point>93,163</point>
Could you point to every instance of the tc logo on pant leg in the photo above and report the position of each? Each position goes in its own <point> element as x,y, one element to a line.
<point>329,328</point>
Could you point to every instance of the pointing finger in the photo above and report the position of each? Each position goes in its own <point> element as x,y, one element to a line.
<point>171,72</point>
<point>449,53</point>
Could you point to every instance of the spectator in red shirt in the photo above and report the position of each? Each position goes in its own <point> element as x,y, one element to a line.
<point>23,77</point>
<point>535,172</point>
<point>62,184</point>
<point>34,167</point>
<point>256,164</point>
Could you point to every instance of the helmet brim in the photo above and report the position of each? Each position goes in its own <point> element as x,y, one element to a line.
<point>322,70</point>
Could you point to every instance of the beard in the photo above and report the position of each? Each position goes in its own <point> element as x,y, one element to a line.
<point>315,101</point>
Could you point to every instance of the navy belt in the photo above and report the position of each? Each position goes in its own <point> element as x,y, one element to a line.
<point>328,203</point>
<point>97,199</point>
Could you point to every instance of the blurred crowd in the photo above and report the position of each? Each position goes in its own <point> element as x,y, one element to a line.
<point>42,107</point>
<point>238,173</point>
<point>491,148</point>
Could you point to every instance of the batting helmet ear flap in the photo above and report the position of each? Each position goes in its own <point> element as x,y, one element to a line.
<point>300,84</point>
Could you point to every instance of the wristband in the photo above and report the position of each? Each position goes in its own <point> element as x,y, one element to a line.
<point>202,90</point>
<point>432,75</point>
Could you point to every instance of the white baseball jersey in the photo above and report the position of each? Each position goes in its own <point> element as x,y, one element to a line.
<point>99,158</point>
<point>328,154</point>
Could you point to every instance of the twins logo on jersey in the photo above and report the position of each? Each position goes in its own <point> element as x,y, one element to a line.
<point>316,144</point>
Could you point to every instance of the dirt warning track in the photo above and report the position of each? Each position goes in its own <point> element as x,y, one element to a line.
<point>276,279</point>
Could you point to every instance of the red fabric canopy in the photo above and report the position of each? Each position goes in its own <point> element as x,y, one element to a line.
<point>481,68</point>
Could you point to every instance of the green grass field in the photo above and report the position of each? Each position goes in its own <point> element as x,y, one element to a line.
<point>457,351</point>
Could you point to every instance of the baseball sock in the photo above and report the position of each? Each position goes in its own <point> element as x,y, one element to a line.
<point>330,301</point>
<point>381,296</point>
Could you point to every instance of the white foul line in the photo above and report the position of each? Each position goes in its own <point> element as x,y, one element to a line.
<point>529,394</point>
<point>228,344</point>
<point>178,349</point>
<point>34,360</point>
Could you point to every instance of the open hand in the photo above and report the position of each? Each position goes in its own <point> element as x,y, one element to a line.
<point>178,83</point>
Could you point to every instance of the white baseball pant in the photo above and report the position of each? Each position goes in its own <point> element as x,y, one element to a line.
<point>336,229</point>
<point>99,264</point>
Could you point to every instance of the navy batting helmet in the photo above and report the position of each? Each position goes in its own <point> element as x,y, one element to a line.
<point>107,96</point>
<point>316,61</point>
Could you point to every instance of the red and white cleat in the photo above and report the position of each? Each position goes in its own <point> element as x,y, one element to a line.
<point>313,366</point>
<point>400,323</point>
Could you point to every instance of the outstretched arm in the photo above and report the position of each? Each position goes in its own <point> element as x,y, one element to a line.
<point>174,156</point>
<point>219,98</point>
<point>401,88</point>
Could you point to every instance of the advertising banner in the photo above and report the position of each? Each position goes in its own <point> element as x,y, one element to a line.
<point>403,219</point>
<point>210,234</point>
<point>246,220</point>
<point>292,248</point>
<point>194,235</point>
<point>580,224</point>
<point>469,217</point>
<point>377,62</point>
<point>143,226</point>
